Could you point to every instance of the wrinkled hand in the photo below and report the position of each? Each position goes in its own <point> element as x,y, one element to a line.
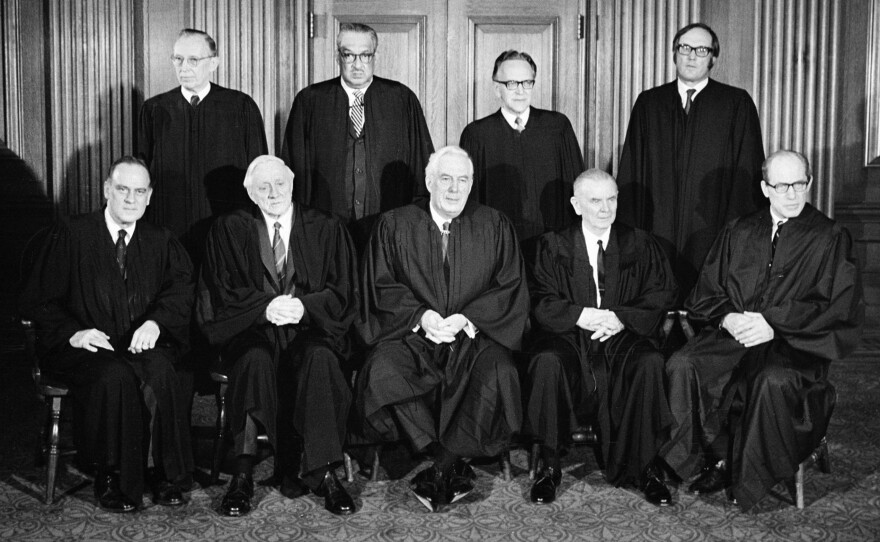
<point>438,329</point>
<point>144,337</point>
<point>285,310</point>
<point>91,340</point>
<point>749,328</point>
<point>603,323</point>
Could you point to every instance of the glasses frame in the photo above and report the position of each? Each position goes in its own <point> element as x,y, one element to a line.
<point>190,61</point>
<point>527,84</point>
<point>685,50</point>
<point>782,188</point>
<point>365,58</point>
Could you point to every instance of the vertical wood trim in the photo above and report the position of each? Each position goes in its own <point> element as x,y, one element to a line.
<point>797,91</point>
<point>12,84</point>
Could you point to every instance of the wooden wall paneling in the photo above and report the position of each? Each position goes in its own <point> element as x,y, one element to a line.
<point>796,92</point>
<point>412,48</point>
<point>162,21</point>
<point>872,88</point>
<point>641,32</point>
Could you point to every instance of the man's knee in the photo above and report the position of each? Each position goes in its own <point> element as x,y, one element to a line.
<point>546,365</point>
<point>681,364</point>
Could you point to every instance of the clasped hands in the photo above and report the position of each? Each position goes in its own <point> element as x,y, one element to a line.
<point>144,339</point>
<point>442,330</point>
<point>748,328</point>
<point>284,310</point>
<point>603,323</point>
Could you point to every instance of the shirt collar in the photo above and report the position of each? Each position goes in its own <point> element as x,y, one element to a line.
<point>350,91</point>
<point>591,239</point>
<point>285,220</point>
<point>683,88</point>
<point>439,220</point>
<point>511,117</point>
<point>188,94</point>
<point>114,228</point>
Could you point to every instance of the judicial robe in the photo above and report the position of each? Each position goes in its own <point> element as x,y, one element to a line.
<point>810,294</point>
<point>404,277</point>
<point>682,177</point>
<point>197,157</point>
<point>237,283</point>
<point>396,140</point>
<point>632,418</point>
<point>526,175</point>
<point>75,285</point>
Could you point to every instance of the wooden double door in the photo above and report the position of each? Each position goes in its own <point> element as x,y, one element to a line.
<point>444,50</point>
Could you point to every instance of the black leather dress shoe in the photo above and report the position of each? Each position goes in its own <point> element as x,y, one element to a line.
<point>544,488</point>
<point>237,501</point>
<point>714,478</point>
<point>109,496</point>
<point>429,486</point>
<point>293,488</point>
<point>655,490</point>
<point>336,498</point>
<point>166,493</point>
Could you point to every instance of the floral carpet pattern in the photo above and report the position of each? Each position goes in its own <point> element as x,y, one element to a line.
<point>842,505</point>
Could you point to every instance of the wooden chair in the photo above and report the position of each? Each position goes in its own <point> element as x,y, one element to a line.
<point>821,458</point>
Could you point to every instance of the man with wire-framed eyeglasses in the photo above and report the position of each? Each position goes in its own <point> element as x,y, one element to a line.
<point>358,143</point>
<point>525,158</point>
<point>692,156</point>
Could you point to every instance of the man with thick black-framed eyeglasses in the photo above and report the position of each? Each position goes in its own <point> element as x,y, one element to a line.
<point>357,143</point>
<point>780,298</point>
<point>692,156</point>
<point>525,158</point>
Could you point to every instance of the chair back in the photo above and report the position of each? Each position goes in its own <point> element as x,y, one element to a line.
<point>29,255</point>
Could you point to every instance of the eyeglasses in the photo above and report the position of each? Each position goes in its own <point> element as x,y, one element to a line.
<point>191,61</point>
<point>782,188</point>
<point>528,84</point>
<point>684,50</point>
<point>349,58</point>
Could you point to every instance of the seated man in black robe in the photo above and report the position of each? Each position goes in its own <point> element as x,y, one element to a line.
<point>781,292</point>
<point>445,300</point>
<point>111,296</point>
<point>601,290</point>
<point>276,293</point>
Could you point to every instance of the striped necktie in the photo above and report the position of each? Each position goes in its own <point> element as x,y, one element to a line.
<point>194,101</point>
<point>775,239</point>
<point>280,253</point>
<point>121,250</point>
<point>519,124</point>
<point>357,112</point>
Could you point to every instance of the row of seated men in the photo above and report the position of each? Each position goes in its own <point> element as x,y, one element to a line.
<point>442,301</point>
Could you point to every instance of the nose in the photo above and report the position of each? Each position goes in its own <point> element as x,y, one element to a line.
<point>692,54</point>
<point>129,197</point>
<point>453,187</point>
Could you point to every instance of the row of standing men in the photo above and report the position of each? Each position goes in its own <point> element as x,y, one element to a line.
<point>444,296</point>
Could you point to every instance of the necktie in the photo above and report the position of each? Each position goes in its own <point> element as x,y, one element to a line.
<point>280,253</point>
<point>194,101</point>
<point>600,271</point>
<point>775,239</point>
<point>357,112</point>
<point>690,100</point>
<point>120,251</point>
<point>519,124</point>
<point>444,239</point>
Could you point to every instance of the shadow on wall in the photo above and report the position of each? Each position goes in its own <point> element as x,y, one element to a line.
<point>24,210</point>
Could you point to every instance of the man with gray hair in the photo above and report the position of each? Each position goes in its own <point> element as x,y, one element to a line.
<point>780,297</point>
<point>357,143</point>
<point>601,290</point>
<point>444,303</point>
<point>277,295</point>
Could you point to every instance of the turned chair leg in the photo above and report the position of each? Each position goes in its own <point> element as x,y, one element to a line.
<point>349,473</point>
<point>506,469</point>
<point>219,434</point>
<point>534,460</point>
<point>54,438</point>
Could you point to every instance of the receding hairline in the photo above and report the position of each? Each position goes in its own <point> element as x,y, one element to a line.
<point>261,162</point>
<point>785,153</point>
<point>357,28</point>
<point>594,175</point>
<point>431,170</point>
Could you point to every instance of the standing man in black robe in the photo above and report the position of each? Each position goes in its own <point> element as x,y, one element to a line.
<point>198,139</point>
<point>358,144</point>
<point>111,296</point>
<point>446,301</point>
<point>781,294</point>
<point>277,294</point>
<point>601,291</point>
<point>692,156</point>
<point>525,158</point>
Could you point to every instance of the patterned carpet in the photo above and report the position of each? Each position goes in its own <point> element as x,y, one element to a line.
<point>842,505</point>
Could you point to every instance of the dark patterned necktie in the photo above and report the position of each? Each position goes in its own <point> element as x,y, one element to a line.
<point>690,100</point>
<point>121,250</point>
<point>357,112</point>
<point>775,239</point>
<point>194,101</point>
<point>280,254</point>
<point>600,271</point>
<point>444,237</point>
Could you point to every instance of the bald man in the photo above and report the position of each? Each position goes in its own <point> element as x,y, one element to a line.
<point>276,293</point>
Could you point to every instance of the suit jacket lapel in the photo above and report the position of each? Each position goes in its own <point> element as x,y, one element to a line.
<point>612,268</point>
<point>583,272</point>
<point>266,254</point>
